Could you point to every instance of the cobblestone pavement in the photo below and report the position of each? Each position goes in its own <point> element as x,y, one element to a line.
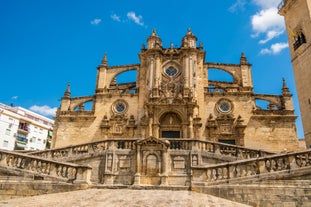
<point>121,197</point>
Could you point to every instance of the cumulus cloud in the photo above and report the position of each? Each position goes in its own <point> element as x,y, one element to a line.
<point>238,5</point>
<point>274,49</point>
<point>115,17</point>
<point>44,110</point>
<point>269,23</point>
<point>96,21</point>
<point>133,17</point>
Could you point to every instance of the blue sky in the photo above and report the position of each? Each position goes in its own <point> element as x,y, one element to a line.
<point>46,43</point>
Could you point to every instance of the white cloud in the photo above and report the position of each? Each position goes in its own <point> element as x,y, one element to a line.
<point>238,5</point>
<point>96,21</point>
<point>137,19</point>
<point>274,49</point>
<point>14,97</point>
<point>44,110</point>
<point>265,4</point>
<point>115,17</point>
<point>270,35</point>
<point>269,23</point>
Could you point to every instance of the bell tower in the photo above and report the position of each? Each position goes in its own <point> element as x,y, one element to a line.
<point>297,15</point>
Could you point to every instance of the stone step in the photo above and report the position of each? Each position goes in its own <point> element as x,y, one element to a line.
<point>142,187</point>
<point>122,197</point>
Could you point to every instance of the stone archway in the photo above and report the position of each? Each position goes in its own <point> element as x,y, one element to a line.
<point>170,125</point>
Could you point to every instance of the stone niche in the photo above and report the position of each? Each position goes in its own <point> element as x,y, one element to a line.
<point>152,161</point>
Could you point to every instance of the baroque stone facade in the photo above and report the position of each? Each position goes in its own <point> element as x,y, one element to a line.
<point>173,97</point>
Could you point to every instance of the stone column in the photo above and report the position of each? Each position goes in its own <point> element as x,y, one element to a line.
<point>156,130</point>
<point>138,166</point>
<point>164,177</point>
<point>186,70</point>
<point>190,127</point>
<point>158,71</point>
<point>151,67</point>
<point>150,126</point>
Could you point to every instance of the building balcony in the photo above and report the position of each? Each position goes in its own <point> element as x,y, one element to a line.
<point>21,139</point>
<point>299,41</point>
<point>24,130</point>
<point>20,143</point>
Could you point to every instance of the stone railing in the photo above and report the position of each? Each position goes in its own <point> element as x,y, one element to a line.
<point>129,144</point>
<point>264,167</point>
<point>87,148</point>
<point>46,168</point>
<point>217,148</point>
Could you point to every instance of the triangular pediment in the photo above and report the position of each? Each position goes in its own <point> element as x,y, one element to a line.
<point>153,141</point>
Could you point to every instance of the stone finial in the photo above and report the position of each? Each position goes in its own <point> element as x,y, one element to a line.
<point>285,90</point>
<point>154,32</point>
<point>189,30</point>
<point>243,59</point>
<point>104,60</point>
<point>154,41</point>
<point>67,92</point>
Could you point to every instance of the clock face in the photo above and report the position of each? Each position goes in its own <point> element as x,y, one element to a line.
<point>171,71</point>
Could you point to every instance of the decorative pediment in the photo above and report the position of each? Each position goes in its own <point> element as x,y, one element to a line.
<point>153,141</point>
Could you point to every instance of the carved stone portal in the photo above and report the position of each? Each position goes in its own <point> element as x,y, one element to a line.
<point>151,161</point>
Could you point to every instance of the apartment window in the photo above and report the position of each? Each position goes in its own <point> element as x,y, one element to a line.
<point>5,143</point>
<point>33,139</point>
<point>8,131</point>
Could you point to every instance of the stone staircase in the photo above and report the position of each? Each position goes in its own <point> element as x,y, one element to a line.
<point>219,169</point>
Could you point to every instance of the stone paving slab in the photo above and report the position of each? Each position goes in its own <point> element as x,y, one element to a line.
<point>122,197</point>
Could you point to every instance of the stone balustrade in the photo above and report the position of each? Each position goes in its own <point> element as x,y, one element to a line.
<point>252,168</point>
<point>217,148</point>
<point>46,168</point>
<point>175,144</point>
<point>87,148</point>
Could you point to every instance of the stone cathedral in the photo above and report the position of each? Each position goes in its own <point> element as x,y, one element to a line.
<point>173,97</point>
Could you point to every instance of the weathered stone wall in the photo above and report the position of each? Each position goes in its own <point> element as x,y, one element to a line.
<point>278,194</point>
<point>17,188</point>
<point>297,14</point>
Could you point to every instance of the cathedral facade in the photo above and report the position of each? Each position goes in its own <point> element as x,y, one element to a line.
<point>173,97</point>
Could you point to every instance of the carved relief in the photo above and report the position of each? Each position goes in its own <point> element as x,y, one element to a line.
<point>179,162</point>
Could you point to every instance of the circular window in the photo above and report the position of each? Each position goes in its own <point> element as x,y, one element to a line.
<point>119,106</point>
<point>224,106</point>
<point>171,71</point>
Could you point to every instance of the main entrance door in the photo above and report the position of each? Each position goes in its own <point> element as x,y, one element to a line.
<point>170,125</point>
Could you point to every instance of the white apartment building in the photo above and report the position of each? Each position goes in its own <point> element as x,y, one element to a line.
<point>21,129</point>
